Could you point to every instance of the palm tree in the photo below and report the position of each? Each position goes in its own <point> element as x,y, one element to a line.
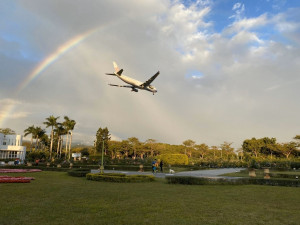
<point>51,121</point>
<point>69,126</point>
<point>59,130</point>
<point>29,130</point>
<point>38,132</point>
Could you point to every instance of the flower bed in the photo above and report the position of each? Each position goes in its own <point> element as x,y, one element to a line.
<point>19,170</point>
<point>8,179</point>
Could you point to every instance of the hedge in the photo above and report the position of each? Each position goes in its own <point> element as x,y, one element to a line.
<point>44,168</point>
<point>119,178</point>
<point>82,172</point>
<point>286,176</point>
<point>240,181</point>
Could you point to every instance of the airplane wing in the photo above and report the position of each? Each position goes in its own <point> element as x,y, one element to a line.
<point>148,82</point>
<point>116,85</point>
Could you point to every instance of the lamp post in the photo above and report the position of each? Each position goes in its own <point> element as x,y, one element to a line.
<point>102,166</point>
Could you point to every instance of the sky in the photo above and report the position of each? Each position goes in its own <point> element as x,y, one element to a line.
<point>229,70</point>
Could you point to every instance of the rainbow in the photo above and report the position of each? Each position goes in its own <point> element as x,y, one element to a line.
<point>5,112</point>
<point>53,57</point>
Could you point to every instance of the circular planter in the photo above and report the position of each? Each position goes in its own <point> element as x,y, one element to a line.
<point>48,164</point>
<point>266,170</point>
<point>252,172</point>
<point>58,166</point>
<point>141,168</point>
<point>29,164</point>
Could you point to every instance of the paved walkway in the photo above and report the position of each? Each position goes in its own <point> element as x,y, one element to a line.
<point>211,173</point>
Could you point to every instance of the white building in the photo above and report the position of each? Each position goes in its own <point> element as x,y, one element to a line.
<point>11,147</point>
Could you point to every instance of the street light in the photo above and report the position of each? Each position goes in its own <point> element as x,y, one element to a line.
<point>102,166</point>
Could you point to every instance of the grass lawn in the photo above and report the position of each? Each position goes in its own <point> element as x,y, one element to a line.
<point>56,198</point>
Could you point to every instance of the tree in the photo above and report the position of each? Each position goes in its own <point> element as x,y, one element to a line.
<point>188,144</point>
<point>202,150</point>
<point>151,143</point>
<point>125,146</point>
<point>69,127</point>
<point>226,147</point>
<point>85,152</point>
<point>297,139</point>
<point>134,144</point>
<point>287,149</point>
<point>28,131</point>
<point>59,131</point>
<point>214,149</point>
<point>7,131</point>
<point>51,121</point>
<point>44,141</point>
<point>38,132</point>
<point>102,135</point>
<point>268,146</point>
<point>253,146</point>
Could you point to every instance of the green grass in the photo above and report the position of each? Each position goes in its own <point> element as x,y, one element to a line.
<point>56,198</point>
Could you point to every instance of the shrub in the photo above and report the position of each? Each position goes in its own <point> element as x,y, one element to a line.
<point>240,181</point>
<point>295,165</point>
<point>53,168</point>
<point>174,159</point>
<point>119,178</point>
<point>127,167</point>
<point>79,172</point>
<point>283,175</point>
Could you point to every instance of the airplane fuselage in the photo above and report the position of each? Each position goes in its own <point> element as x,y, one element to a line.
<point>137,84</point>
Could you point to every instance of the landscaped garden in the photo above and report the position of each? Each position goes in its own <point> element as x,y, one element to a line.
<point>57,198</point>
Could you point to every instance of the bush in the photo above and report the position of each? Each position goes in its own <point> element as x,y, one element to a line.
<point>240,181</point>
<point>119,178</point>
<point>221,164</point>
<point>283,175</point>
<point>174,159</point>
<point>53,168</point>
<point>295,165</point>
<point>202,180</point>
<point>275,182</point>
<point>82,172</point>
<point>127,167</point>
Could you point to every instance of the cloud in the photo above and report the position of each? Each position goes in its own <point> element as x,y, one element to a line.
<point>239,9</point>
<point>248,23</point>
<point>246,73</point>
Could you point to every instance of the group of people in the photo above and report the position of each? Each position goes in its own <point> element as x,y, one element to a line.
<point>155,165</point>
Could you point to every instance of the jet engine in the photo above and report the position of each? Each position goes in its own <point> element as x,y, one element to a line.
<point>134,89</point>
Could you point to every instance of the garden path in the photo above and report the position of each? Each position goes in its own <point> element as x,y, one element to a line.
<point>212,173</point>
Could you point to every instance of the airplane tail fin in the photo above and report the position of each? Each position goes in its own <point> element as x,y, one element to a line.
<point>117,70</point>
<point>116,67</point>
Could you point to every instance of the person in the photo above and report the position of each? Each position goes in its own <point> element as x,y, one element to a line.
<point>161,164</point>
<point>154,166</point>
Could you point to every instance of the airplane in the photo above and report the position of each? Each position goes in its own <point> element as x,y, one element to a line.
<point>133,84</point>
